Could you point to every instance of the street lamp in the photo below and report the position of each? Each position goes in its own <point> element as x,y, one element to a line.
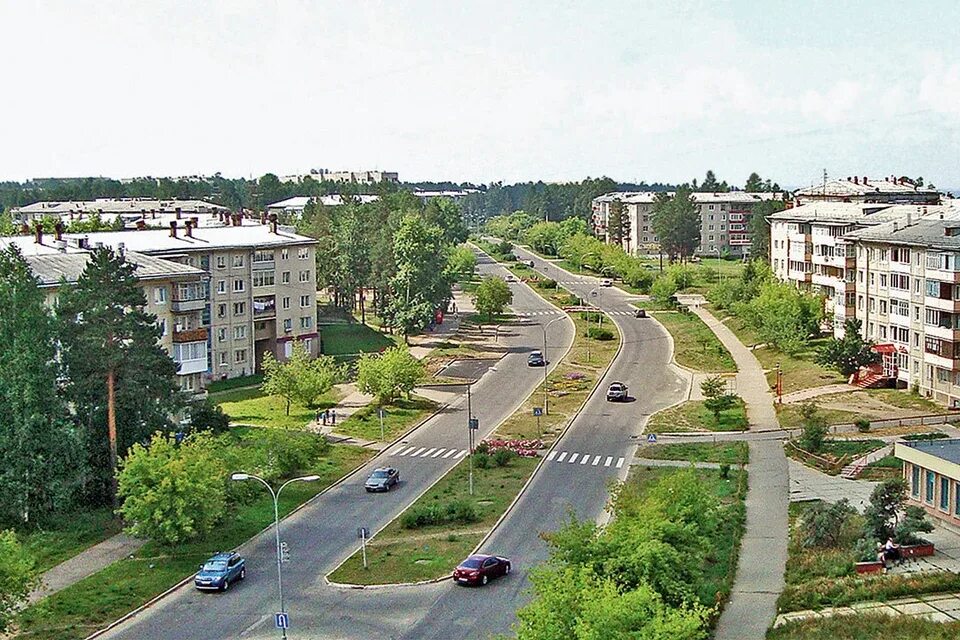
<point>580,259</point>
<point>719,270</point>
<point>598,291</point>
<point>546,409</point>
<point>276,520</point>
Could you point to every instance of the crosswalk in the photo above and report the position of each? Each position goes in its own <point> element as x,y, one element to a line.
<point>404,451</point>
<point>587,459</point>
<point>531,314</point>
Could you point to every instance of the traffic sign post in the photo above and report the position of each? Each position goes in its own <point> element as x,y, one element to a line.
<point>284,552</point>
<point>363,533</point>
<point>282,620</point>
<point>651,438</point>
<point>538,411</point>
<point>380,413</point>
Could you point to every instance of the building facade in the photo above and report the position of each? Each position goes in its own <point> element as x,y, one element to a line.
<point>931,470</point>
<point>357,177</point>
<point>889,190</point>
<point>148,212</point>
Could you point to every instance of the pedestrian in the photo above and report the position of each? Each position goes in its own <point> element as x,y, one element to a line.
<point>324,418</point>
<point>333,416</point>
<point>318,416</point>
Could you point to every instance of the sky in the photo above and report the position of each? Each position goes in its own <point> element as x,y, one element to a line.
<point>482,91</point>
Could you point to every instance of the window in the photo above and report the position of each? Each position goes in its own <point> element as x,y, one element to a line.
<point>305,276</point>
<point>710,228</point>
<point>304,301</point>
<point>163,327</point>
<point>900,254</point>
<point>285,277</point>
<point>900,308</point>
<point>929,488</point>
<point>239,332</point>
<point>160,295</point>
<point>285,302</point>
<point>916,285</point>
<point>956,499</point>
<point>288,325</point>
<point>307,343</point>
<point>284,254</point>
<point>223,358</point>
<point>264,255</point>
<point>288,348</point>
<point>187,383</point>
<point>883,280</point>
<point>221,262</point>
<point>264,278</point>
<point>190,351</point>
<point>221,334</point>
<point>915,481</point>
<point>916,312</point>
<point>933,288</point>
<point>239,308</point>
<point>306,322</point>
<point>238,260</point>
<point>883,307</point>
<point>239,356</point>
<point>221,286</point>
<point>238,285</point>
<point>871,278</point>
<point>303,253</point>
<point>221,311</point>
<point>944,494</point>
<point>899,281</point>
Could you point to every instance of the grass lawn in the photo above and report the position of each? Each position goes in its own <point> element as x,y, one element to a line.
<point>92,603</point>
<point>396,554</point>
<point>693,416</point>
<point>835,454</point>
<point>722,452</point>
<point>251,406</point>
<point>866,626</point>
<point>886,468</point>
<point>234,383</point>
<point>725,544</point>
<point>400,416</point>
<point>65,536</point>
<point>350,338</point>
<point>695,346</point>
<point>904,399</point>
<point>790,418</point>
<point>836,592</point>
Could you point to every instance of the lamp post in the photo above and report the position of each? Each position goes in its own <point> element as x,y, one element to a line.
<point>580,260</point>
<point>546,409</point>
<point>719,270</point>
<point>597,291</point>
<point>779,384</point>
<point>276,520</point>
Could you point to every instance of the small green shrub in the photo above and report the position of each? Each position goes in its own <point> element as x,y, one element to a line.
<point>481,460</point>
<point>482,448</point>
<point>724,470</point>
<point>862,424</point>
<point>599,333</point>
<point>456,512</point>
<point>502,457</point>
<point>546,283</point>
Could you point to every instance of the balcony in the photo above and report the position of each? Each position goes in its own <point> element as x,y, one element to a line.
<point>188,367</point>
<point>181,305</point>
<point>264,307</point>
<point>258,265</point>
<point>943,304</point>
<point>943,275</point>
<point>190,335</point>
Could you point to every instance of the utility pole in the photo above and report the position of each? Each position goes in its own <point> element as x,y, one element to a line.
<point>470,436</point>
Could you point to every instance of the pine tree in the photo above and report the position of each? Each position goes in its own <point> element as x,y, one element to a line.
<point>122,384</point>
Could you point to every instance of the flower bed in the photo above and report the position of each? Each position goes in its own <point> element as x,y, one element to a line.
<point>523,448</point>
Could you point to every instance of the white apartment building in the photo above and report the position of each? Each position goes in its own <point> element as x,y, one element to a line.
<point>260,295</point>
<point>724,220</point>
<point>133,212</point>
<point>908,299</point>
<point>359,177</point>
<point>888,190</point>
<point>292,208</point>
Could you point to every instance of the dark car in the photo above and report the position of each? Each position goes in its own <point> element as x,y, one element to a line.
<point>218,572</point>
<point>617,392</point>
<point>382,479</point>
<point>480,569</point>
<point>640,313</point>
<point>535,359</point>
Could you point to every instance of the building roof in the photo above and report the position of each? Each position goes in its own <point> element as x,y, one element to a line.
<point>860,213</point>
<point>936,232</point>
<point>160,242</point>
<point>701,197</point>
<point>119,205</point>
<point>946,449</point>
<point>859,187</point>
<point>298,203</point>
<point>52,268</point>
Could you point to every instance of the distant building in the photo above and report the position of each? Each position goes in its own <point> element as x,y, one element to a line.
<point>457,194</point>
<point>932,471</point>
<point>132,211</point>
<point>889,190</point>
<point>292,208</point>
<point>355,177</point>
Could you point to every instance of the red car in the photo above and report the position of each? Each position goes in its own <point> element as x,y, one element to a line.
<point>480,568</point>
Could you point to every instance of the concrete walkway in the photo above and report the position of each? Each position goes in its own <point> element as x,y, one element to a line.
<point>763,551</point>
<point>938,607</point>
<point>86,563</point>
<point>809,484</point>
<point>814,392</point>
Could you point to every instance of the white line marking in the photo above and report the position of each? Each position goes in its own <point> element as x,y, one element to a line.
<point>460,455</point>
<point>439,451</point>
<point>619,463</point>
<point>573,457</point>
<point>449,453</point>
<point>551,455</point>
<point>398,450</point>
<point>418,452</point>
<point>596,460</point>
<point>408,450</point>
<point>609,460</point>
<point>585,459</point>
<point>427,454</point>
<point>562,456</point>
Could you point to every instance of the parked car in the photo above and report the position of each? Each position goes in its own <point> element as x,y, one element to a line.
<point>535,359</point>
<point>218,572</point>
<point>510,277</point>
<point>606,282</point>
<point>529,263</point>
<point>480,569</point>
<point>617,392</point>
<point>382,479</point>
<point>640,313</point>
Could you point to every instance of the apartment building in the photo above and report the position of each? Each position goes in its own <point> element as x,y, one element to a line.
<point>260,295</point>
<point>132,212</point>
<point>908,299</point>
<point>358,177</point>
<point>292,208</point>
<point>724,220</point>
<point>889,190</point>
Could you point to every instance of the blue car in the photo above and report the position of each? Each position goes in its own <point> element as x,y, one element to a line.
<point>218,572</point>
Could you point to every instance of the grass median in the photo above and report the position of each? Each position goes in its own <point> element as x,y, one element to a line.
<point>692,415</point>
<point>720,452</point>
<point>694,345</point>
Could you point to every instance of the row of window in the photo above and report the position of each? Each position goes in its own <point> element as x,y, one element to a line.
<point>240,355</point>
<point>265,278</point>
<point>263,255</point>
<point>931,482</point>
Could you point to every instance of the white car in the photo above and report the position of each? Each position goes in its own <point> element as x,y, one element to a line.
<point>606,282</point>
<point>510,278</point>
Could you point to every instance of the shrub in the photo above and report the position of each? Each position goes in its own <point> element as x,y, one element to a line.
<point>863,424</point>
<point>278,453</point>
<point>547,283</point>
<point>206,416</point>
<point>502,457</point>
<point>725,470</point>
<point>599,333</point>
<point>865,550</point>
<point>455,512</point>
<point>823,524</point>
<point>17,577</point>
<point>483,448</point>
<point>481,460</point>
<point>814,427</point>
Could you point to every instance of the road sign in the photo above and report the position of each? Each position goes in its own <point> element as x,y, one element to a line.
<point>282,620</point>
<point>363,532</point>
<point>381,412</point>
<point>284,552</point>
<point>474,423</point>
<point>538,411</point>
<point>651,438</point>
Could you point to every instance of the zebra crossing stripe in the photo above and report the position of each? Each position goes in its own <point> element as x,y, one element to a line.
<point>609,460</point>
<point>562,456</point>
<point>460,455</point>
<point>596,460</point>
<point>427,454</point>
<point>551,455</point>
<point>619,463</point>
<point>418,452</point>
<point>585,459</point>
<point>573,457</point>
<point>408,450</point>
<point>439,451</point>
<point>449,453</point>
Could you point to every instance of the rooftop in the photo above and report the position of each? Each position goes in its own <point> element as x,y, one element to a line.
<point>937,232</point>
<point>646,197</point>
<point>857,186</point>
<point>119,205</point>
<point>299,202</point>
<point>946,449</point>
<point>53,268</point>
<point>861,213</point>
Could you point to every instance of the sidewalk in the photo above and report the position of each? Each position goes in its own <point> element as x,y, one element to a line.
<point>85,563</point>
<point>814,392</point>
<point>752,607</point>
<point>938,607</point>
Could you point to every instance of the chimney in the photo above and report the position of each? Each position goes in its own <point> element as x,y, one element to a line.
<point>856,180</point>
<point>263,218</point>
<point>38,232</point>
<point>909,217</point>
<point>173,228</point>
<point>58,231</point>
<point>178,213</point>
<point>273,223</point>
<point>153,213</point>
<point>141,225</point>
<point>864,179</point>
<point>848,178</point>
<point>189,226</point>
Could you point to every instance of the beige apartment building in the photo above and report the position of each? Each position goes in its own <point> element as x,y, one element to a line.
<point>259,295</point>
<point>888,190</point>
<point>132,212</point>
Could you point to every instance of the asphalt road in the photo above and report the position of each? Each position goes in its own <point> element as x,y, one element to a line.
<point>323,534</point>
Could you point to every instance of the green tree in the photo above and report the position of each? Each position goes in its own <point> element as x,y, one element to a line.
<point>421,284</point>
<point>389,375</point>
<point>121,381</point>
<point>492,296</point>
<point>461,263</point>
<point>783,315</point>
<point>17,577</point>
<point>886,503</point>
<point>717,401</point>
<point>38,443</point>
<point>754,183</point>
<point>173,493</point>
<point>663,290</point>
<point>618,223</point>
<point>826,525</point>
<point>301,378</point>
<point>7,228</point>
<point>759,226</point>
<point>676,221</point>
<point>849,353</point>
<point>206,416</point>
<point>814,427</point>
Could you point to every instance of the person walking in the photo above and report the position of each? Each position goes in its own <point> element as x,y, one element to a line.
<point>333,416</point>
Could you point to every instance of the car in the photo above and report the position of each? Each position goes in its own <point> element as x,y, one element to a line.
<point>510,278</point>
<point>535,359</point>
<point>217,573</point>
<point>382,479</point>
<point>606,282</point>
<point>617,392</point>
<point>480,569</point>
<point>640,313</point>
<point>529,263</point>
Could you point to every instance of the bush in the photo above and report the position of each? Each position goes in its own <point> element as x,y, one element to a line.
<point>814,427</point>
<point>482,448</point>
<point>17,577</point>
<point>725,470</point>
<point>455,512</point>
<point>277,453</point>
<point>865,550</point>
<point>863,424</point>
<point>546,283</point>
<point>481,460</point>
<point>206,416</point>
<point>599,333</point>
<point>502,457</point>
<point>823,524</point>
<point>504,248</point>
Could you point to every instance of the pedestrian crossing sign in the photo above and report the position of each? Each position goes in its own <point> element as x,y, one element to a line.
<point>651,438</point>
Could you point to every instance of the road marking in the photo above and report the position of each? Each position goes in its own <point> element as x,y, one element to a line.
<point>573,457</point>
<point>418,452</point>
<point>609,460</point>
<point>551,455</point>
<point>427,454</point>
<point>619,463</point>
<point>585,459</point>
<point>439,451</point>
<point>596,460</point>
<point>406,451</point>
<point>449,453</point>
<point>562,456</point>
<point>460,455</point>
